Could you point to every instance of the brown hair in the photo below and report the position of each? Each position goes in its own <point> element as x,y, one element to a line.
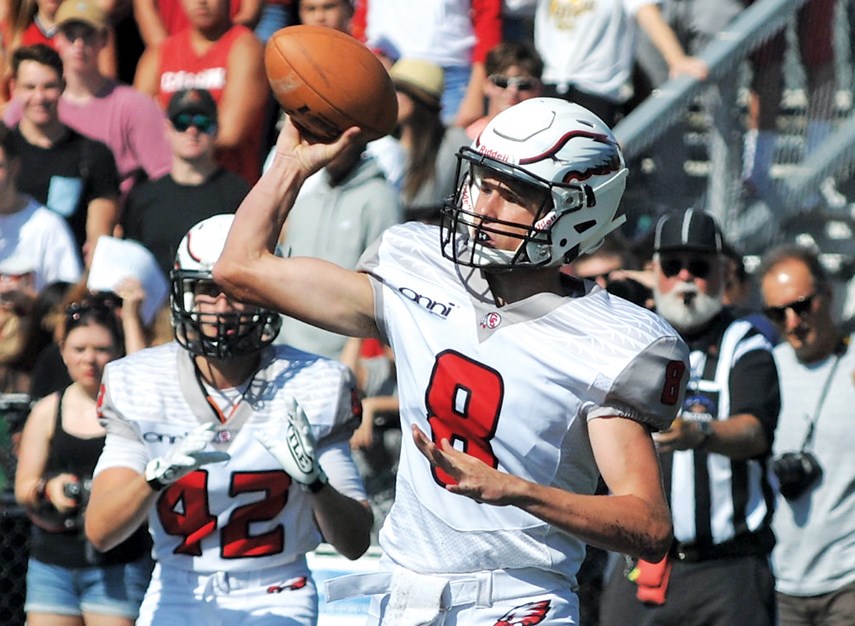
<point>95,311</point>
<point>38,53</point>
<point>428,131</point>
<point>509,53</point>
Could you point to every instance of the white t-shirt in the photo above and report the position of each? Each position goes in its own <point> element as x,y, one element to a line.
<point>589,44</point>
<point>815,549</point>
<point>245,514</point>
<point>514,386</point>
<point>37,240</point>
<point>439,31</point>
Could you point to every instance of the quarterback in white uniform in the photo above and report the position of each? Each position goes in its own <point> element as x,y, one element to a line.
<point>235,451</point>
<point>519,386</point>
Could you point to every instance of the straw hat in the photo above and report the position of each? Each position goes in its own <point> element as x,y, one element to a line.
<point>85,11</point>
<point>419,79</point>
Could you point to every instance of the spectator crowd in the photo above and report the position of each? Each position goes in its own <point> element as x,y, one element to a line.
<point>139,126</point>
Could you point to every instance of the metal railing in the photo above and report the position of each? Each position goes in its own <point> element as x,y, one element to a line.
<point>667,104</point>
<point>726,56</point>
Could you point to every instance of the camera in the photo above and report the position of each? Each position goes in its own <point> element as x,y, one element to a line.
<point>72,490</point>
<point>796,471</point>
<point>14,409</point>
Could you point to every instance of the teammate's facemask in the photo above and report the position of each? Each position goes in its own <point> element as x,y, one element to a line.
<point>213,333</point>
<point>552,145</point>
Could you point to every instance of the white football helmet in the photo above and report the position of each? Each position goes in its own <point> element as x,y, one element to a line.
<point>549,144</point>
<point>216,335</point>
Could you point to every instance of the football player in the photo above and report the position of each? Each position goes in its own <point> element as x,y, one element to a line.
<point>235,451</point>
<point>518,387</point>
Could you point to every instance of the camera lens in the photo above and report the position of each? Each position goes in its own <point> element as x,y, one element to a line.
<point>72,490</point>
<point>796,471</point>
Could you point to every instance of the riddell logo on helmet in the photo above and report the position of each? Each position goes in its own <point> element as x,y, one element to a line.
<point>494,154</point>
<point>547,221</point>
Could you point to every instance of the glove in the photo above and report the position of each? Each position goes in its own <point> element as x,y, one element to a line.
<point>296,450</point>
<point>183,457</point>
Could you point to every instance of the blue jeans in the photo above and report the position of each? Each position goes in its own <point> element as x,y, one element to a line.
<point>106,590</point>
<point>456,82</point>
<point>273,17</point>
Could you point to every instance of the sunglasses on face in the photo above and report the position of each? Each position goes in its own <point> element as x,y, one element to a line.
<point>522,83</point>
<point>203,123</point>
<point>801,307</point>
<point>699,268</point>
<point>74,32</point>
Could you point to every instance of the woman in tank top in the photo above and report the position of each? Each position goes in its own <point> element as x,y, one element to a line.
<point>68,582</point>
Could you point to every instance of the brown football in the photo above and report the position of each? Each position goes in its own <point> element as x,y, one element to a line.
<point>328,81</point>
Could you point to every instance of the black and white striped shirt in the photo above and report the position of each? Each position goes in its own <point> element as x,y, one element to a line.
<point>715,498</point>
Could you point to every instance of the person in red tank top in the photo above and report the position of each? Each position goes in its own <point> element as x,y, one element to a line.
<point>227,60</point>
<point>157,19</point>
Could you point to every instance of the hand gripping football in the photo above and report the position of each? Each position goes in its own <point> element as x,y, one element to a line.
<point>328,81</point>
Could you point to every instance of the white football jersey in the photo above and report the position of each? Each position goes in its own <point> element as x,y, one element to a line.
<point>247,513</point>
<point>513,386</point>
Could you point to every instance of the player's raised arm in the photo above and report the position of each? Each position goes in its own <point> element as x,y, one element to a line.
<point>315,291</point>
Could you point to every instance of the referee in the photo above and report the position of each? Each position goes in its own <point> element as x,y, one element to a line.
<point>714,457</point>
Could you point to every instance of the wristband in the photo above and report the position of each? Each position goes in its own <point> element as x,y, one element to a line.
<point>316,486</point>
<point>155,484</point>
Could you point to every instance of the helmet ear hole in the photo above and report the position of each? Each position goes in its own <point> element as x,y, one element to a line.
<point>585,226</point>
<point>571,254</point>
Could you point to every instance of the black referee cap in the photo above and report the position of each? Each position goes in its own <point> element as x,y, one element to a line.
<point>691,230</point>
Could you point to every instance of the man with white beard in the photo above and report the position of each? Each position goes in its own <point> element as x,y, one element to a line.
<point>713,457</point>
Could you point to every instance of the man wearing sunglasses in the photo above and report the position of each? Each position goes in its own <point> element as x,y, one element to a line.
<point>715,453</point>
<point>159,212</point>
<point>514,69</point>
<point>814,557</point>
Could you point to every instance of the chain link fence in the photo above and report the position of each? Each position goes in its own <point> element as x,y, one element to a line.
<point>14,536</point>
<point>14,523</point>
<point>713,131</point>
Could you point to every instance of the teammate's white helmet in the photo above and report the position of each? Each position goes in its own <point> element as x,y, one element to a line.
<point>224,334</point>
<point>552,145</point>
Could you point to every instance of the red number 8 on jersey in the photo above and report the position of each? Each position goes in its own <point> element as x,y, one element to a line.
<point>464,399</point>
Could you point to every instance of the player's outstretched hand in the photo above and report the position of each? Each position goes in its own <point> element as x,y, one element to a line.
<point>310,155</point>
<point>295,449</point>
<point>475,479</point>
<point>183,457</point>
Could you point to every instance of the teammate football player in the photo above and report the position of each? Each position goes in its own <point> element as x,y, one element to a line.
<point>236,452</point>
<point>518,388</point>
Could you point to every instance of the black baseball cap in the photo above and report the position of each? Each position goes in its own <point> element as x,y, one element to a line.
<point>193,101</point>
<point>691,230</point>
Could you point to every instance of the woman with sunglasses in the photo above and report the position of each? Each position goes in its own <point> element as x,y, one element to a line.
<point>68,582</point>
